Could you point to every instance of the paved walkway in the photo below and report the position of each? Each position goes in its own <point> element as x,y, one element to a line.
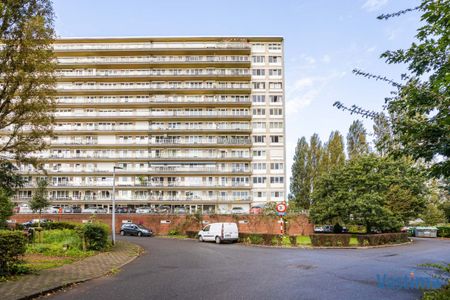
<point>89,268</point>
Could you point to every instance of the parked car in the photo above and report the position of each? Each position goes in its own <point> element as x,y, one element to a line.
<point>323,229</point>
<point>67,210</point>
<point>76,210</point>
<point>121,210</point>
<point>179,210</point>
<point>53,210</point>
<point>162,210</point>
<point>219,232</point>
<point>134,229</point>
<point>34,221</point>
<point>238,210</point>
<point>144,210</point>
<point>94,210</point>
<point>23,209</point>
<point>256,210</point>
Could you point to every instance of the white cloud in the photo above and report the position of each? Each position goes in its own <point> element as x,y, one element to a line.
<point>374,5</point>
<point>326,58</point>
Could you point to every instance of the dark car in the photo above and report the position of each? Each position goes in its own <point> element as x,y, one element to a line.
<point>134,229</point>
<point>121,210</point>
<point>34,223</point>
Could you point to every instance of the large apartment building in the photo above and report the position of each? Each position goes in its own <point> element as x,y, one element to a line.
<point>197,122</point>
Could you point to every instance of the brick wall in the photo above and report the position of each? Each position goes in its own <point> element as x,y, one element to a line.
<point>296,225</point>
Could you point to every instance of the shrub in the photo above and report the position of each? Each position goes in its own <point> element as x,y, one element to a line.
<point>95,236</point>
<point>174,232</point>
<point>255,239</point>
<point>293,240</point>
<point>382,239</point>
<point>12,247</point>
<point>57,225</point>
<point>59,242</point>
<point>192,234</point>
<point>267,238</point>
<point>330,240</point>
<point>337,228</point>
<point>443,231</point>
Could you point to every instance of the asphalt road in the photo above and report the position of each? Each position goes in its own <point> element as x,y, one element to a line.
<point>186,269</point>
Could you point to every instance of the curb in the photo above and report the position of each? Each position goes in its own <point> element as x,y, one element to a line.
<point>68,284</point>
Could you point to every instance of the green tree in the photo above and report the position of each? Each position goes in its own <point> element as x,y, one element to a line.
<point>356,140</point>
<point>10,180</point>
<point>383,137</point>
<point>313,164</point>
<point>334,155</point>
<point>40,198</point>
<point>300,183</point>
<point>27,69</point>
<point>361,193</point>
<point>6,208</point>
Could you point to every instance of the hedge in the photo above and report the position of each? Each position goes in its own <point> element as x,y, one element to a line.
<point>95,235</point>
<point>12,247</point>
<point>443,231</point>
<point>330,240</point>
<point>57,225</point>
<point>260,238</point>
<point>192,234</point>
<point>382,239</point>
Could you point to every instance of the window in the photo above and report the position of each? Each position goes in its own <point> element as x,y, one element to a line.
<point>259,153</point>
<point>259,194</point>
<point>276,139</point>
<point>275,72</point>
<point>259,166</point>
<point>259,125</point>
<point>274,59</point>
<point>259,138</point>
<point>276,99</point>
<point>275,85</point>
<point>258,72</point>
<point>259,180</point>
<point>259,85</point>
<point>258,98</point>
<point>276,166</point>
<point>276,111</point>
<point>274,46</point>
<point>276,125</point>
<point>258,59</point>
<point>276,179</point>
<point>259,111</point>
<point>276,194</point>
<point>258,47</point>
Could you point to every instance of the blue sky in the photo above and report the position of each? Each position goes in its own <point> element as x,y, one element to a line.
<point>324,41</point>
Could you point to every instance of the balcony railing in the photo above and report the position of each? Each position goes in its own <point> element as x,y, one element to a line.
<point>157,99</point>
<point>187,169</point>
<point>154,59</point>
<point>151,72</point>
<point>153,85</point>
<point>209,127</point>
<point>157,114</point>
<point>152,45</point>
<point>150,156</point>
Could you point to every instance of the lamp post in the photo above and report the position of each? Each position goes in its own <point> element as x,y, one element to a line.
<point>113,222</point>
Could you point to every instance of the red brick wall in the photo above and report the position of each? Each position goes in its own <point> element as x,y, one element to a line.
<point>298,225</point>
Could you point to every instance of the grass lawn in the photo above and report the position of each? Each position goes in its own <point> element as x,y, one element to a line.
<point>303,240</point>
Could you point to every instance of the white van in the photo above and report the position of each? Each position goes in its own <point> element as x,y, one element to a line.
<point>219,232</point>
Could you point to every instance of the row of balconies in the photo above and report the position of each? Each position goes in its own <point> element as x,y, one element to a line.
<point>206,127</point>
<point>153,72</point>
<point>168,141</point>
<point>151,45</point>
<point>153,85</point>
<point>154,170</point>
<point>147,198</point>
<point>173,113</point>
<point>154,59</point>
<point>121,185</point>
<point>149,156</point>
<point>156,99</point>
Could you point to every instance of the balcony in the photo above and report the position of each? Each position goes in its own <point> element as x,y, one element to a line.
<point>152,59</point>
<point>60,46</point>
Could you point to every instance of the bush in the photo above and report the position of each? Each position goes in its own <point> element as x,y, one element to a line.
<point>192,234</point>
<point>337,228</point>
<point>59,242</point>
<point>12,247</point>
<point>382,239</point>
<point>293,240</point>
<point>56,225</point>
<point>174,232</point>
<point>330,240</point>
<point>443,231</point>
<point>95,236</point>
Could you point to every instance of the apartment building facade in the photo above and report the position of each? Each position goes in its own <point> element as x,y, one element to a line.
<point>197,122</point>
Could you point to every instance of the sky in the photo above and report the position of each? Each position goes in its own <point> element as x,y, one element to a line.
<point>324,41</point>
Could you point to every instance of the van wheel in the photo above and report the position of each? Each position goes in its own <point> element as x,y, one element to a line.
<point>139,233</point>
<point>122,233</point>
<point>218,241</point>
<point>200,238</point>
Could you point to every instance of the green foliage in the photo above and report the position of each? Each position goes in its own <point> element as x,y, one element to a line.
<point>10,180</point>
<point>95,235</point>
<point>363,193</point>
<point>445,207</point>
<point>59,242</point>
<point>421,108</point>
<point>56,225</point>
<point>300,183</point>
<point>356,140</point>
<point>330,240</point>
<point>337,228</point>
<point>174,232</point>
<point>443,231</point>
<point>27,69</point>
<point>6,208</point>
<point>433,215</point>
<point>383,135</point>
<point>382,239</point>
<point>12,247</point>
<point>40,198</point>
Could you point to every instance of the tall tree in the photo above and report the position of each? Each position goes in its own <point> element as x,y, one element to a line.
<point>6,208</point>
<point>383,137</point>
<point>356,140</point>
<point>300,183</point>
<point>27,71</point>
<point>378,192</point>
<point>40,198</point>
<point>335,150</point>
<point>313,163</point>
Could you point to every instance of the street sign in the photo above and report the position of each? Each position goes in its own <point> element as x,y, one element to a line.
<point>281,208</point>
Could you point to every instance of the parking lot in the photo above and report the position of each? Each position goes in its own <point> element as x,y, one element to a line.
<point>187,269</point>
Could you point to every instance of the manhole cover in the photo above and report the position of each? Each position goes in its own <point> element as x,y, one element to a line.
<point>302,266</point>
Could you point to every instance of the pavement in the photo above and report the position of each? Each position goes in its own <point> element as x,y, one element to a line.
<point>187,269</point>
<point>30,286</point>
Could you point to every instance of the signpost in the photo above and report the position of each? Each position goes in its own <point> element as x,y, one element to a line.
<point>281,211</point>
